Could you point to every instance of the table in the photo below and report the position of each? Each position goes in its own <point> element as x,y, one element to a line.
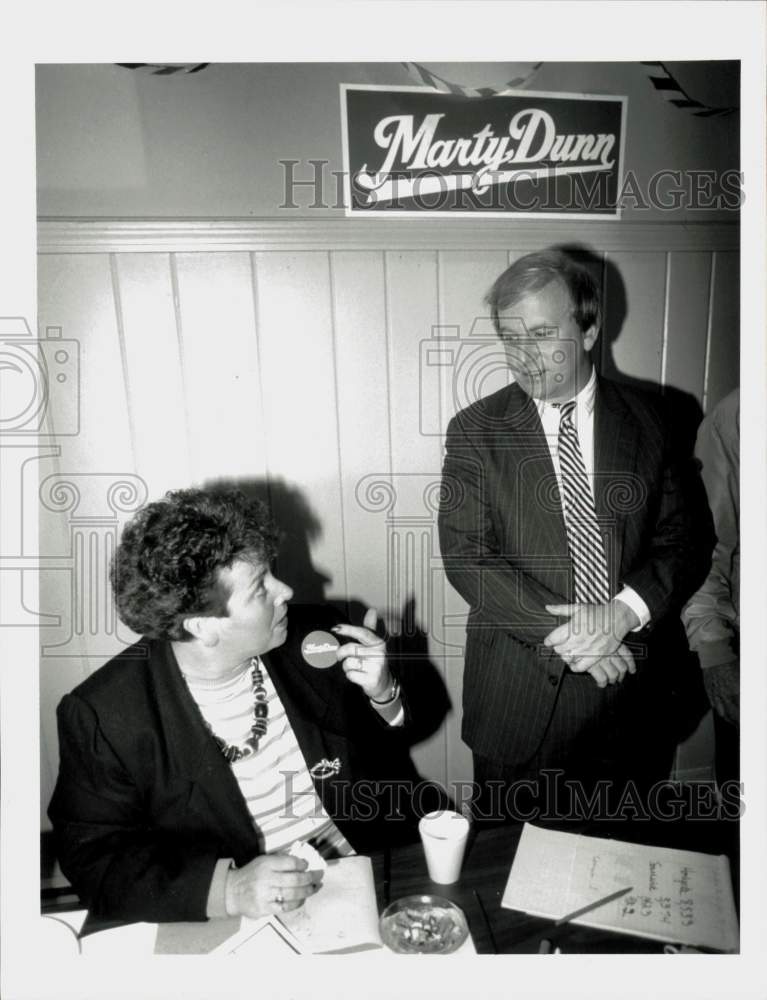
<point>478,893</point>
<point>402,871</point>
<point>486,867</point>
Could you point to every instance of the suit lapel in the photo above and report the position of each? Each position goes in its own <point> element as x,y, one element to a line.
<point>303,700</point>
<point>306,695</point>
<point>191,749</point>
<point>540,526</point>
<point>616,437</point>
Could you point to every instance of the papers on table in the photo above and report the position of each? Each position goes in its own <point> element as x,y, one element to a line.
<point>60,936</point>
<point>679,896</point>
<point>57,937</point>
<point>134,939</point>
<point>268,937</point>
<point>341,917</point>
<point>265,937</point>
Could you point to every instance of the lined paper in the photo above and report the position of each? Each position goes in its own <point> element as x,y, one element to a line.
<point>678,896</point>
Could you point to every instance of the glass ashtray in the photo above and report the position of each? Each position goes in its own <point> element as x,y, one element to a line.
<point>423,925</point>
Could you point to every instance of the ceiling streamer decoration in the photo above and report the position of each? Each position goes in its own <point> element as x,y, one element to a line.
<point>477,79</point>
<point>492,79</point>
<point>671,91</point>
<point>164,69</point>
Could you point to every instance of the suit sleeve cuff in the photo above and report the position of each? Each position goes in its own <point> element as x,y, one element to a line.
<point>216,905</point>
<point>632,599</point>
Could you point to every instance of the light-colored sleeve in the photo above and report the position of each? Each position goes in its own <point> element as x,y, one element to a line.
<point>711,616</point>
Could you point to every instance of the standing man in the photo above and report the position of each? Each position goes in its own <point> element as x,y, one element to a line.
<point>567,527</point>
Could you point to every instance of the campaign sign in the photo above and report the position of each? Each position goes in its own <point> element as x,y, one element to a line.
<point>410,151</point>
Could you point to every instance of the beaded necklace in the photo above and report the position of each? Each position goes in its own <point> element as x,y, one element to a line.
<point>231,751</point>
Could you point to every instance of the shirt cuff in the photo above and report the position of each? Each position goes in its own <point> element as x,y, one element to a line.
<point>631,598</point>
<point>393,713</point>
<point>216,905</point>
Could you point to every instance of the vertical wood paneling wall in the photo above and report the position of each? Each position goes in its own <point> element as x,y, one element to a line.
<point>326,360</point>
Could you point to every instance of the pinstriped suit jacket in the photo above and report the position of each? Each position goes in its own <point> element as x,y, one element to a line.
<point>504,548</point>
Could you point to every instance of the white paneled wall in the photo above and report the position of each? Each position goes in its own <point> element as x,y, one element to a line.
<point>324,360</point>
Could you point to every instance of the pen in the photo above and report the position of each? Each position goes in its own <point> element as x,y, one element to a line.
<point>487,923</point>
<point>592,906</point>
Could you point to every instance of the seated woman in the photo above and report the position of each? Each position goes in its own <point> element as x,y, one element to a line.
<point>193,760</point>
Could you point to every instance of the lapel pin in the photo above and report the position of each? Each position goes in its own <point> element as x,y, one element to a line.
<point>324,768</point>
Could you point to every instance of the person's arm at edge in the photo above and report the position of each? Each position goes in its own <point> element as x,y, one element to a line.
<point>678,553</point>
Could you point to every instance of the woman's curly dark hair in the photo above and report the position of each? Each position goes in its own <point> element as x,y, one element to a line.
<point>166,565</point>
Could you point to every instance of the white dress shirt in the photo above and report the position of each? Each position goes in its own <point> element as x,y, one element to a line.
<point>583,419</point>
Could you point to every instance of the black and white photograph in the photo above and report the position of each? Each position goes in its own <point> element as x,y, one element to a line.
<point>370,437</point>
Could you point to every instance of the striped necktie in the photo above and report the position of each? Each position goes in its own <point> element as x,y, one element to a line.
<point>584,539</point>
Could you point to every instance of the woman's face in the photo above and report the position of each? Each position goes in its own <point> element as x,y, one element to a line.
<point>257,605</point>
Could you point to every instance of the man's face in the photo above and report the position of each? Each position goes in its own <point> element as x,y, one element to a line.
<point>258,615</point>
<point>545,348</point>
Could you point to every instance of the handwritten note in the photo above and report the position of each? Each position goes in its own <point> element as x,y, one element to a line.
<point>678,896</point>
<point>343,916</point>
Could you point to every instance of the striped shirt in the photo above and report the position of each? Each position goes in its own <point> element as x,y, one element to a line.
<point>275,781</point>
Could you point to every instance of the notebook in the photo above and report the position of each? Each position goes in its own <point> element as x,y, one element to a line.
<point>683,897</point>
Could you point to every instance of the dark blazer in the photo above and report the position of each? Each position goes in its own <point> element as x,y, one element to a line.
<point>504,548</point>
<point>145,803</point>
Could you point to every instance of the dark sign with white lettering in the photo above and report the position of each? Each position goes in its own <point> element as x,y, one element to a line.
<point>410,151</point>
